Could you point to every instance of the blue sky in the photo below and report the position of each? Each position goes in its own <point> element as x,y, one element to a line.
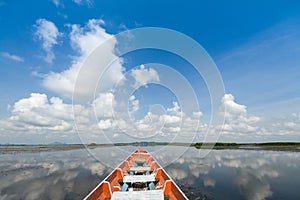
<point>255,45</point>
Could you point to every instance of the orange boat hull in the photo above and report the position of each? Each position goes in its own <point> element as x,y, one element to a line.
<point>137,168</point>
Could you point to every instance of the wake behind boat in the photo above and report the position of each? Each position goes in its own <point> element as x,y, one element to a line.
<point>138,177</point>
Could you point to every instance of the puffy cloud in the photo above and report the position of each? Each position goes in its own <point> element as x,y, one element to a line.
<point>156,125</point>
<point>37,113</point>
<point>175,109</point>
<point>173,129</point>
<point>237,120</point>
<point>105,124</point>
<point>62,83</point>
<point>231,106</point>
<point>43,119</point>
<point>287,125</point>
<point>143,76</point>
<point>39,119</point>
<point>103,105</point>
<point>197,114</point>
<point>85,40</point>
<point>293,122</point>
<point>12,57</point>
<point>170,119</point>
<point>47,32</point>
<point>135,103</point>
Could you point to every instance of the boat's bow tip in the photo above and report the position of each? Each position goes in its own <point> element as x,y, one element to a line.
<point>140,150</point>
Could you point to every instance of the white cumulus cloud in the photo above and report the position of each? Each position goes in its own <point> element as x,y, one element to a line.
<point>237,120</point>
<point>103,105</point>
<point>105,124</point>
<point>231,106</point>
<point>175,109</point>
<point>48,33</point>
<point>143,76</point>
<point>170,119</point>
<point>37,113</point>
<point>50,118</point>
<point>134,105</point>
<point>85,40</point>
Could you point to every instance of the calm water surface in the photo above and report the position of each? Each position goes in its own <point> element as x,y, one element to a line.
<point>222,174</point>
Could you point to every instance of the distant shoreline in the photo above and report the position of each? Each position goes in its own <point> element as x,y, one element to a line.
<point>273,146</point>
<point>16,149</point>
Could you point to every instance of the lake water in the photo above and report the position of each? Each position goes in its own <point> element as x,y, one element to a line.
<point>222,174</point>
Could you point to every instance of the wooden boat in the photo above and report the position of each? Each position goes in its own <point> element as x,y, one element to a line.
<point>138,177</point>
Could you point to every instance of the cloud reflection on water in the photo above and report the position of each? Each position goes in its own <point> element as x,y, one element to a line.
<point>245,174</point>
<point>51,175</point>
<point>225,174</point>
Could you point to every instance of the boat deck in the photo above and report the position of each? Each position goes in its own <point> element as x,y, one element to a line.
<point>145,195</point>
<point>138,177</point>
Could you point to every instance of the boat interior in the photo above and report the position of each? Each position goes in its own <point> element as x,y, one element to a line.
<point>138,176</point>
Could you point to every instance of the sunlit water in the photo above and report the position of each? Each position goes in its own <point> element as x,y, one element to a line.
<point>222,174</point>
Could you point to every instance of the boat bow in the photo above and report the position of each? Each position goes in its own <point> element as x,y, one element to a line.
<point>137,177</point>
